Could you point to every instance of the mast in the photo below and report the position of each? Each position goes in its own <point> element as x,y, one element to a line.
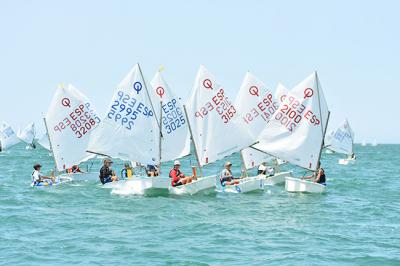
<point>194,144</point>
<point>50,144</point>
<point>244,164</point>
<point>160,139</point>
<point>147,93</point>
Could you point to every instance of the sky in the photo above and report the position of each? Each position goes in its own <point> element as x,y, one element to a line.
<point>354,46</point>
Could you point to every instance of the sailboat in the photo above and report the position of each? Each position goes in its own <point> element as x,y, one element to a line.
<point>364,143</point>
<point>44,141</point>
<point>69,122</point>
<point>214,126</point>
<point>374,143</point>
<point>256,105</point>
<point>8,138</point>
<point>27,135</point>
<point>129,130</point>
<point>173,138</point>
<point>296,131</point>
<point>341,141</point>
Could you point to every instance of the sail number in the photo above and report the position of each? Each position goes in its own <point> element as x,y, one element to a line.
<point>221,104</point>
<point>81,120</point>
<point>292,112</point>
<point>266,108</point>
<point>126,109</point>
<point>173,117</point>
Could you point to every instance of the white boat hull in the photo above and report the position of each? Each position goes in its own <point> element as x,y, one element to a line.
<point>248,184</point>
<point>82,176</point>
<point>278,178</point>
<point>346,161</point>
<point>299,185</point>
<point>138,185</point>
<point>58,181</point>
<point>201,184</point>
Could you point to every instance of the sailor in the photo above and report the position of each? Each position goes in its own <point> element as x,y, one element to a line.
<point>352,156</point>
<point>178,178</point>
<point>40,180</point>
<point>226,177</point>
<point>151,170</point>
<point>106,174</point>
<point>319,177</point>
<point>74,169</point>
<point>126,173</point>
<point>262,169</point>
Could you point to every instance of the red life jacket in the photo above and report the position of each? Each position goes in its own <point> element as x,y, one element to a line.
<point>175,176</point>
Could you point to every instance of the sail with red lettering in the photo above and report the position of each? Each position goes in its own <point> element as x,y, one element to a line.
<point>8,138</point>
<point>175,141</point>
<point>69,121</point>
<point>257,112</point>
<point>28,134</point>
<point>341,140</point>
<point>129,130</point>
<point>256,105</point>
<point>215,123</point>
<point>297,129</point>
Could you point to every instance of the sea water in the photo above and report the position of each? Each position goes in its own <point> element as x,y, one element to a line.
<point>356,222</point>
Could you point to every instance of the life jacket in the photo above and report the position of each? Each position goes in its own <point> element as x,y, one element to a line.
<point>177,172</point>
<point>322,179</point>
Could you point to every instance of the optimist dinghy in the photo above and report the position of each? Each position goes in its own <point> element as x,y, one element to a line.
<point>298,185</point>
<point>215,129</point>
<point>132,132</point>
<point>49,183</point>
<point>341,141</point>
<point>69,122</point>
<point>297,129</point>
<point>28,135</point>
<point>8,138</point>
<point>256,105</point>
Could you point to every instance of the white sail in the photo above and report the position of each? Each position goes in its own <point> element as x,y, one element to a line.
<point>129,131</point>
<point>297,129</point>
<point>27,135</point>
<point>255,103</point>
<point>70,120</point>
<point>214,120</point>
<point>281,92</point>
<point>341,140</point>
<point>8,138</point>
<point>176,139</point>
<point>253,158</point>
<point>44,141</point>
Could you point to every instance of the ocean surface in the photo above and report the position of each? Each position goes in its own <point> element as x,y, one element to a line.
<point>356,222</point>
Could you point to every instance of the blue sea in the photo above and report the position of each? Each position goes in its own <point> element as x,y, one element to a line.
<point>356,222</point>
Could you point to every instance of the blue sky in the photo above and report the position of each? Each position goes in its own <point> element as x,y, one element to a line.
<point>354,46</point>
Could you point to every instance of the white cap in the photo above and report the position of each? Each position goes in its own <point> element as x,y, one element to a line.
<point>262,167</point>
<point>177,163</point>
